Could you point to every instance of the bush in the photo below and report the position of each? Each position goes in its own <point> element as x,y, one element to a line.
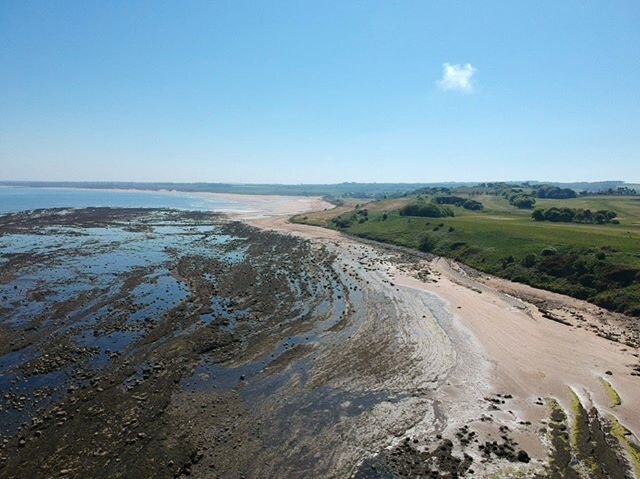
<point>587,280</point>
<point>472,205</point>
<point>549,251</point>
<point>622,275</point>
<point>427,244</point>
<point>421,208</point>
<point>556,215</point>
<point>522,200</point>
<point>529,260</point>
<point>458,201</point>
<point>507,261</point>
<point>341,222</point>
<point>449,200</point>
<point>548,191</point>
<point>572,215</point>
<point>625,300</point>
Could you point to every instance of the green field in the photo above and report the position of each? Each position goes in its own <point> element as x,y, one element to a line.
<point>600,263</point>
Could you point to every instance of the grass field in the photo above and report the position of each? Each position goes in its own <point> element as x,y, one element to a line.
<point>595,262</point>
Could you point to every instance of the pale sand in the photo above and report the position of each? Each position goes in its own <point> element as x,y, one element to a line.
<point>507,339</point>
<point>259,206</point>
<point>535,357</point>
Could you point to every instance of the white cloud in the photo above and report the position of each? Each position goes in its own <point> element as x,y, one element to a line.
<point>457,77</point>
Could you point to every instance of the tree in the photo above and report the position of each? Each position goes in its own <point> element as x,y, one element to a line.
<point>449,200</point>
<point>600,218</point>
<point>569,215</point>
<point>472,205</point>
<point>552,214</point>
<point>522,200</point>
<point>555,192</point>
<point>421,208</point>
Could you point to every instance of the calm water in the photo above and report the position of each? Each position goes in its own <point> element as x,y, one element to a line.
<point>14,199</point>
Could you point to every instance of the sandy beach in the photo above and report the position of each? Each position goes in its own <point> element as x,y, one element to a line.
<point>256,206</point>
<point>503,341</point>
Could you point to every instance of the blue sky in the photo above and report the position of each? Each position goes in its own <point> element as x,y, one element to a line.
<point>317,92</point>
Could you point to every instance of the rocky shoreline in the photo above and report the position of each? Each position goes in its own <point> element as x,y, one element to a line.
<point>158,343</point>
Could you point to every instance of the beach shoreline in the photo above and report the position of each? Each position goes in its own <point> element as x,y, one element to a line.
<point>533,345</point>
<point>298,351</point>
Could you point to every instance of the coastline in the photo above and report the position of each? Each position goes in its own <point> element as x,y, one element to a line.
<point>249,205</point>
<point>508,333</point>
<point>337,358</point>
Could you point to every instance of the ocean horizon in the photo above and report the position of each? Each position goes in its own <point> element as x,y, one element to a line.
<point>22,198</point>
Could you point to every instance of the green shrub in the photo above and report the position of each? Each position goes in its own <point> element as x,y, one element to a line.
<point>458,201</point>
<point>472,205</point>
<point>538,215</point>
<point>427,244</point>
<point>529,260</point>
<point>449,200</point>
<point>521,200</point>
<point>422,208</point>
<point>548,191</point>
<point>569,215</point>
<point>341,222</point>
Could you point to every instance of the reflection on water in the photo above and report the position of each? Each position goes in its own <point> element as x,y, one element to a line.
<point>96,291</point>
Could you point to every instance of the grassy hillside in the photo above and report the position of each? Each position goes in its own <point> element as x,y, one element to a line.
<point>600,263</point>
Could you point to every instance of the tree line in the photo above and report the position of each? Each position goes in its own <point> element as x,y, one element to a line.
<point>575,215</point>
<point>459,201</point>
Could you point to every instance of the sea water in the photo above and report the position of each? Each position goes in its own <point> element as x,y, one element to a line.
<point>13,199</point>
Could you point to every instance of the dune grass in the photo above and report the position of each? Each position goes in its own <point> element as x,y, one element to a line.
<point>624,436</point>
<point>615,398</point>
